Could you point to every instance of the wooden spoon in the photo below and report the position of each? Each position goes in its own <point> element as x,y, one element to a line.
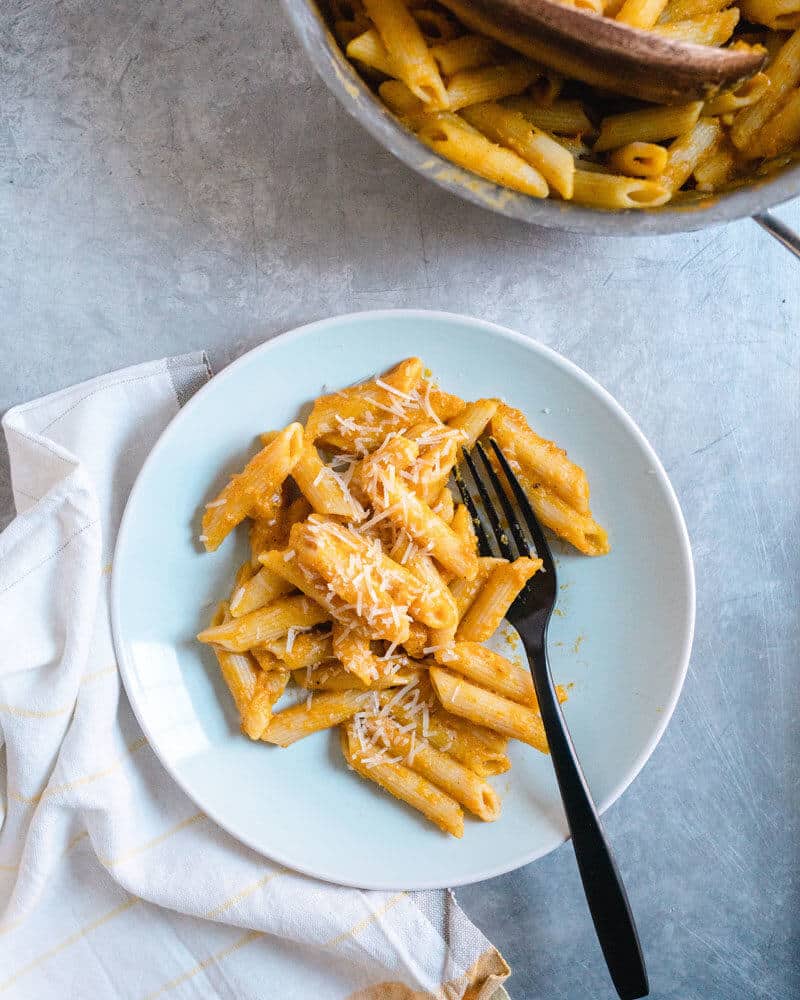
<point>608,54</point>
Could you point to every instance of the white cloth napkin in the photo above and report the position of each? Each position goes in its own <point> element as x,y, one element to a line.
<point>112,883</point>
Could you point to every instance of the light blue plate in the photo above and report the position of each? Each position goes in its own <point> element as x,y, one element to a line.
<point>621,637</point>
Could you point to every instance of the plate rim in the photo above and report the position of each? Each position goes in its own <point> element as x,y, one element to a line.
<point>536,347</point>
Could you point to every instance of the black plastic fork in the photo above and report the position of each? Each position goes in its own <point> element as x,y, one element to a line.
<point>530,615</point>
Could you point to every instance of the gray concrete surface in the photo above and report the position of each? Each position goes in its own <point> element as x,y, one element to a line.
<point>173,176</point>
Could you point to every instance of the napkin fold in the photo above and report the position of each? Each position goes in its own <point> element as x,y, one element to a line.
<point>112,882</point>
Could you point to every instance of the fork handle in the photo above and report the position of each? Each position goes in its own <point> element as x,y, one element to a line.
<point>605,893</point>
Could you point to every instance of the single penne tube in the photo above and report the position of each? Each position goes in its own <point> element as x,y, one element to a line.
<point>265,624</point>
<point>539,150</point>
<point>542,459</point>
<point>473,420</point>
<point>780,15</point>
<point>564,117</point>
<point>639,159</point>
<point>611,191</point>
<point>407,49</point>
<point>707,29</point>
<point>332,676</point>
<point>253,491</point>
<point>689,150</point>
<point>239,670</point>
<point>325,710</point>
<point>452,139</point>
<point>652,124</point>
<point>464,593</point>
<point>262,588</point>
<point>406,785</point>
<point>324,489</point>
<point>490,670</point>
<point>489,83</point>
<point>269,686</point>
<point>784,75</point>
<point>368,49</point>
<point>495,598</point>
<point>580,530</point>
<point>358,419</point>
<point>352,647</point>
<point>641,13</point>
<point>781,133</point>
<point>467,52</point>
<point>302,650</point>
<point>485,708</point>
<point>743,96</point>
<point>444,771</point>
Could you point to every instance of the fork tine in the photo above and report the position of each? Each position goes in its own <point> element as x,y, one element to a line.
<point>500,536</point>
<point>483,540</point>
<point>531,520</point>
<point>508,508</point>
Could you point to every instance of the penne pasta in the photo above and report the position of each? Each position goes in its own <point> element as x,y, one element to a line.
<point>406,785</point>
<point>488,709</point>
<point>300,650</point>
<point>784,76</point>
<point>495,598</point>
<point>473,420</point>
<point>254,491</point>
<point>323,488</point>
<point>445,772</point>
<point>490,670</point>
<point>407,50</point>
<point>641,13</point>
<point>639,159</point>
<point>453,140</point>
<point>322,711</point>
<point>365,588</point>
<point>561,117</point>
<point>467,52</point>
<point>689,150</point>
<point>265,624</point>
<point>708,29</point>
<point>651,124</point>
<point>489,83</point>
<point>262,588</point>
<point>541,459</point>
<point>269,686</point>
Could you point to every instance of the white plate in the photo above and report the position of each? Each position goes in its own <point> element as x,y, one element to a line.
<point>622,637</point>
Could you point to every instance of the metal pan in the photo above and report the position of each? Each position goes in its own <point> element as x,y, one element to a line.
<point>754,200</point>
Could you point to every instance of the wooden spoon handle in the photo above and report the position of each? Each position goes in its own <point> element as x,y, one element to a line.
<point>607,53</point>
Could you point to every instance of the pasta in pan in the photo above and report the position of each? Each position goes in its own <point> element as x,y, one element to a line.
<point>366,588</point>
<point>478,102</point>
